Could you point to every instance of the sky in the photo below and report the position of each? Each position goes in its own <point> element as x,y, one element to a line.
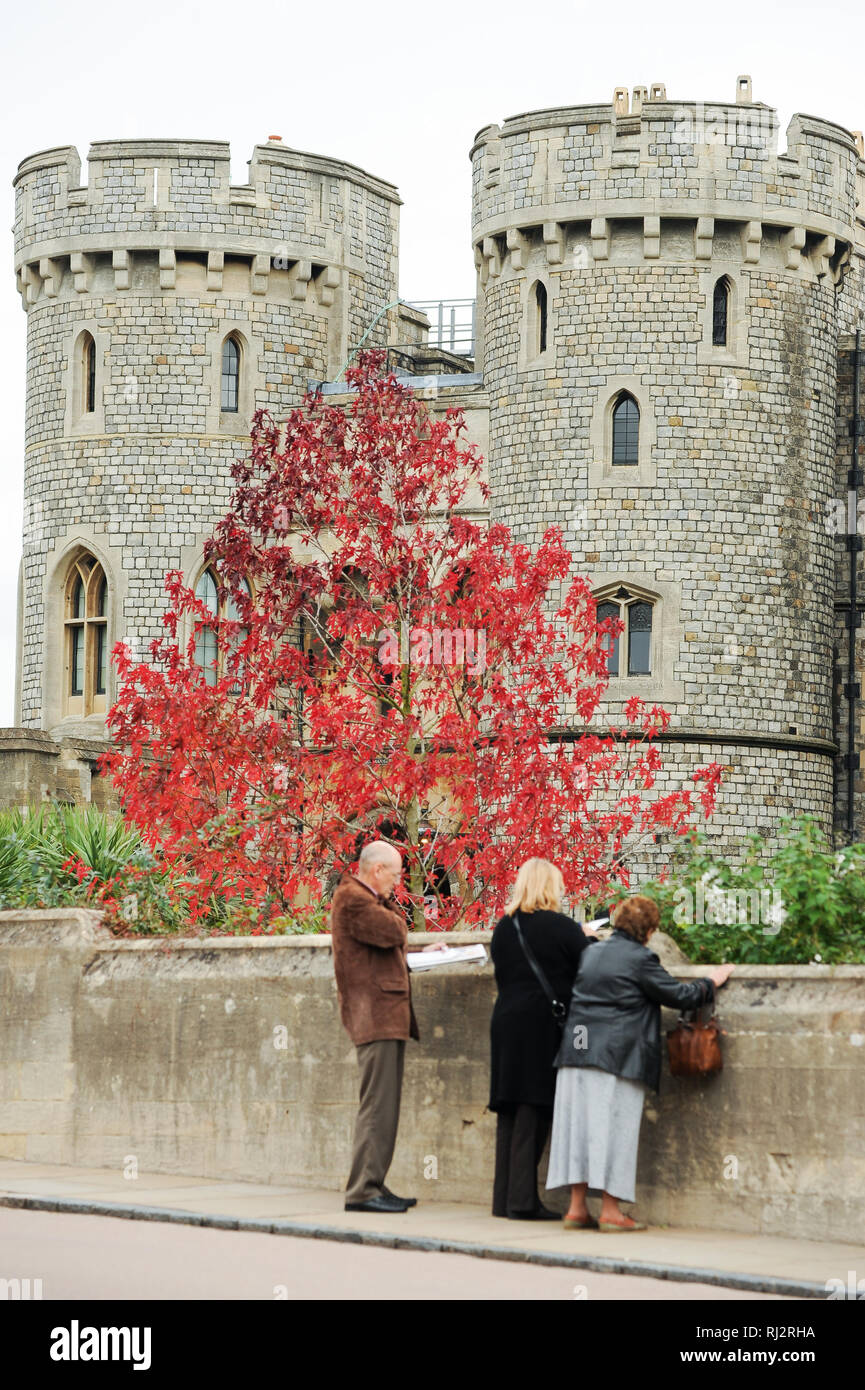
<point>398,88</point>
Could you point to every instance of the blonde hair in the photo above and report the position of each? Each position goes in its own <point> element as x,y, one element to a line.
<point>539,884</point>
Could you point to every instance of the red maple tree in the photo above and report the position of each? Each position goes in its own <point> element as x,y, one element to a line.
<point>393,667</point>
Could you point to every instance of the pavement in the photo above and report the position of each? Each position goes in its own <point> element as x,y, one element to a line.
<point>728,1259</point>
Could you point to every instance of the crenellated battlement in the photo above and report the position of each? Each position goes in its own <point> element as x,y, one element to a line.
<point>311,215</point>
<point>657,160</point>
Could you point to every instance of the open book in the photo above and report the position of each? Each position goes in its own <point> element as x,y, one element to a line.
<point>446,955</point>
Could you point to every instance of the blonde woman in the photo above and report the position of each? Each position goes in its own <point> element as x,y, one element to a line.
<point>524,1035</point>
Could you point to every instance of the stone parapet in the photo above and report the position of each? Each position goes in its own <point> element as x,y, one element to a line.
<point>664,162</point>
<point>224,1057</point>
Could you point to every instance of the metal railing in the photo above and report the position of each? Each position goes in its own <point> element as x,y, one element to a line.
<point>451,324</point>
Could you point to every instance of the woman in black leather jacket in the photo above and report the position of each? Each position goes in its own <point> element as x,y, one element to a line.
<point>609,1056</point>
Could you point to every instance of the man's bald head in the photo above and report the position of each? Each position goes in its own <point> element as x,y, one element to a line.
<point>380,867</point>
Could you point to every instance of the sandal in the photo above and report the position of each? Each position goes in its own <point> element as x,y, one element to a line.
<point>581,1223</point>
<point>618,1226</point>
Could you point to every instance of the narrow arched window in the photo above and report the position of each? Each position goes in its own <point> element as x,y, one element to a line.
<point>86,623</point>
<point>233,613</point>
<point>626,429</point>
<point>101,621</point>
<point>230,374</point>
<point>205,637</point>
<point>640,639</point>
<point>610,610</point>
<point>541,317</point>
<point>720,312</point>
<point>88,374</point>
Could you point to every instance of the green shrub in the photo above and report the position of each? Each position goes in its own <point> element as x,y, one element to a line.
<point>803,902</point>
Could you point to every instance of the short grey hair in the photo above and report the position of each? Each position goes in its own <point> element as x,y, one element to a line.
<point>376,852</point>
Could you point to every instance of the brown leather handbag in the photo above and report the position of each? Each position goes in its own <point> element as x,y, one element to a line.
<point>694,1047</point>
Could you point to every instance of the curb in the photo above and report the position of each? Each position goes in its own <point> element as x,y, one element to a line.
<point>600,1264</point>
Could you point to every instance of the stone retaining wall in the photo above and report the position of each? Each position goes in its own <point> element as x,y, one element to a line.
<point>225,1057</point>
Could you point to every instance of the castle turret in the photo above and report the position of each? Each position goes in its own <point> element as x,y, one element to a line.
<point>661,294</point>
<point>164,307</point>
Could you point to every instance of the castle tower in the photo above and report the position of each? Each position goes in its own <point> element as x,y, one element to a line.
<point>660,300</point>
<point>164,306</point>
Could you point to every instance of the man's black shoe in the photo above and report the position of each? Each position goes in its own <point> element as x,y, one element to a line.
<point>381,1204</point>
<point>409,1201</point>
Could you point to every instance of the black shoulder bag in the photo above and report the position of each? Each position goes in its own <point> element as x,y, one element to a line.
<point>560,1010</point>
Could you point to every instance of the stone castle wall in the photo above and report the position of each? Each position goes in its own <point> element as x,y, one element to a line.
<point>297,264</point>
<point>628,216</point>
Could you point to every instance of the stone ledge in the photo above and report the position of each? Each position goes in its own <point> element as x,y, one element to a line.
<point>14,740</point>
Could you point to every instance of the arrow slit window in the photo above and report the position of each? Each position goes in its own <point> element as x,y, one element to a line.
<point>720,312</point>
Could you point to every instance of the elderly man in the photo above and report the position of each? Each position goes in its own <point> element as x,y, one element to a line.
<point>369,933</point>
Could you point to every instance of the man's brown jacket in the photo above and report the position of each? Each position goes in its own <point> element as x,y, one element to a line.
<point>368,937</point>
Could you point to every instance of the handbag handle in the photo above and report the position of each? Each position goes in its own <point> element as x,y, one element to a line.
<point>696,1012</point>
<point>560,1010</point>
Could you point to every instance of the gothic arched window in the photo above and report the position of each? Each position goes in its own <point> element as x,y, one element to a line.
<point>86,623</point>
<point>210,652</point>
<point>640,639</point>
<point>230,374</point>
<point>626,429</point>
<point>636,638</point>
<point>720,312</point>
<point>610,610</point>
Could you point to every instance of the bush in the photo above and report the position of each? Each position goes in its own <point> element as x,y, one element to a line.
<point>805,902</point>
<point>70,856</point>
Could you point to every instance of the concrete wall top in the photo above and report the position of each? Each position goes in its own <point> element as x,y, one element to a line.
<point>654,156</point>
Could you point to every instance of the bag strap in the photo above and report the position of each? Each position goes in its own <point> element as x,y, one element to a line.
<point>696,1012</point>
<point>560,1011</point>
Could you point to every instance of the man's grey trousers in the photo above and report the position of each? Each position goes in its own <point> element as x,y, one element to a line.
<point>381,1067</point>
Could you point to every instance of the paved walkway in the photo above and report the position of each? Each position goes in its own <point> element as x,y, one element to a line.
<point>759,1264</point>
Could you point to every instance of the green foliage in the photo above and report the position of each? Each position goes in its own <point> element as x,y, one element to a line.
<point>802,902</point>
<point>35,847</point>
<point>70,856</point>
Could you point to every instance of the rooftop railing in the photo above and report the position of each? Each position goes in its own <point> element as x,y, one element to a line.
<point>451,324</point>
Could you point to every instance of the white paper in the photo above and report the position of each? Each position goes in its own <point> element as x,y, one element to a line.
<point>445,955</point>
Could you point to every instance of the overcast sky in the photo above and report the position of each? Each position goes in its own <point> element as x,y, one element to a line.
<point>398,88</point>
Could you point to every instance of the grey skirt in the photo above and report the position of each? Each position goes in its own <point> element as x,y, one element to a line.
<point>596,1130</point>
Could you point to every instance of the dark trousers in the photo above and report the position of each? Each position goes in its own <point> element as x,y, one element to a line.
<point>381,1067</point>
<point>521,1133</point>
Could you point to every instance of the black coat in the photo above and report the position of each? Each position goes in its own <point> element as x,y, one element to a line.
<point>616,1003</point>
<point>524,1036</point>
